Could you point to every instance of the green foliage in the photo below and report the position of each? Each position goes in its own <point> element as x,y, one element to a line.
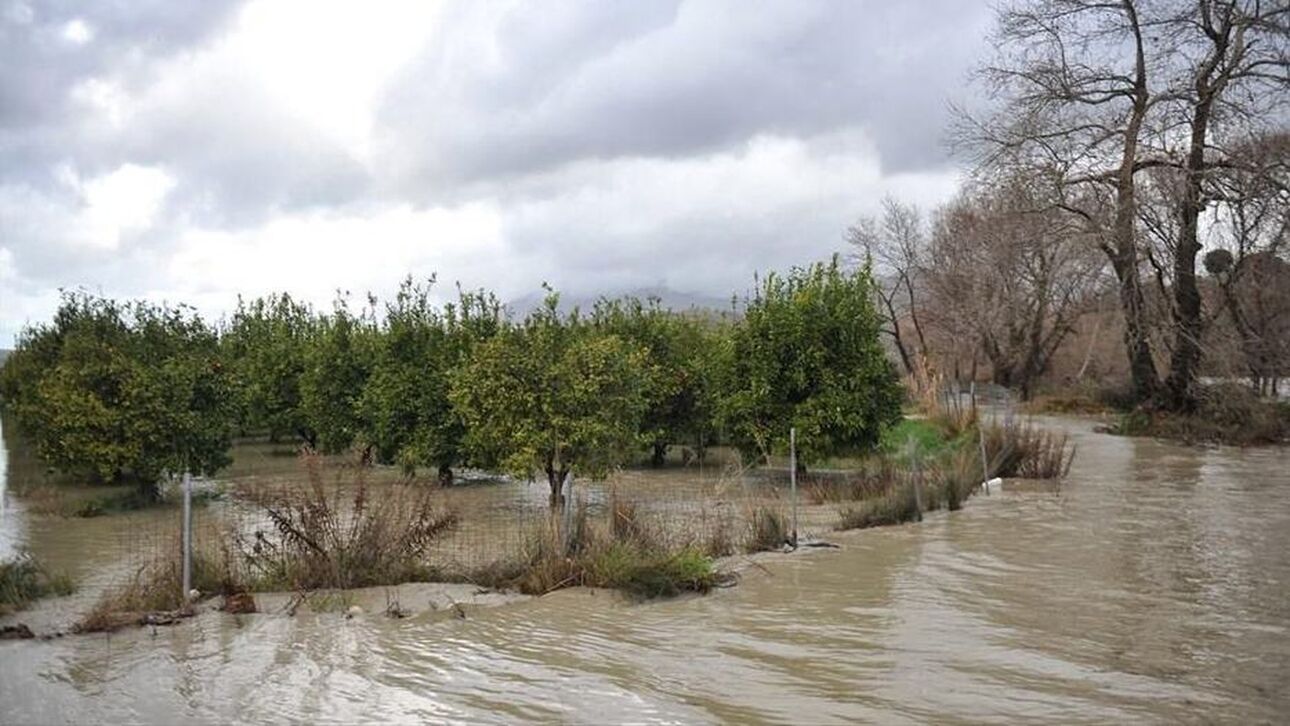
<point>405,406</point>
<point>679,372</point>
<point>338,362</point>
<point>807,355</point>
<point>927,437</point>
<point>113,391</point>
<point>265,346</point>
<point>552,395</point>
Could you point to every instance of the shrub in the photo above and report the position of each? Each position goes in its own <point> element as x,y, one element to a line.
<point>343,536</point>
<point>622,554</point>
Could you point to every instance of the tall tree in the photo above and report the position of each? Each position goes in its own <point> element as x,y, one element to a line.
<point>1096,93</point>
<point>1010,271</point>
<point>896,246</point>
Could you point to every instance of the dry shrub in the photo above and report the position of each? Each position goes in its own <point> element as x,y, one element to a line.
<point>154,593</point>
<point>874,477</point>
<point>344,535</point>
<point>946,410</point>
<point>956,477</point>
<point>718,539</point>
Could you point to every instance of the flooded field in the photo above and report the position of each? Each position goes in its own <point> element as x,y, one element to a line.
<point>1154,586</point>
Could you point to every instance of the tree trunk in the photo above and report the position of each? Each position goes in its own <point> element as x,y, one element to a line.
<point>445,475</point>
<point>659,455</point>
<point>1184,364</point>
<point>1124,247</point>
<point>555,477</point>
<point>1142,368</point>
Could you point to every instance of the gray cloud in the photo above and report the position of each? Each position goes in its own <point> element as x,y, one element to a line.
<point>600,146</point>
<point>675,81</point>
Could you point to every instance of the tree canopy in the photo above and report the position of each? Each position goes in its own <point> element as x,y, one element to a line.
<point>117,392</point>
<point>807,355</point>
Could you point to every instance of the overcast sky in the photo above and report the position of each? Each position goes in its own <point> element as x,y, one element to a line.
<point>192,151</point>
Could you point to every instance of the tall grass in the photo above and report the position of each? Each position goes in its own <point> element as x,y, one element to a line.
<point>23,580</point>
<point>894,507</point>
<point>1018,449</point>
<point>768,528</point>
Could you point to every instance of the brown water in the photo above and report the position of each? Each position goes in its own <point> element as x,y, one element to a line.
<point>1154,587</point>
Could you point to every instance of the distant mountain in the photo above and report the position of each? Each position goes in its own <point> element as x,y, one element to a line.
<point>669,298</point>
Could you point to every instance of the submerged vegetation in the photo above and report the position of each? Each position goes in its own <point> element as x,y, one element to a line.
<point>23,580</point>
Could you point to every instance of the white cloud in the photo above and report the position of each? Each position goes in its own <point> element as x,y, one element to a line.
<point>78,32</point>
<point>119,203</point>
<point>314,254</point>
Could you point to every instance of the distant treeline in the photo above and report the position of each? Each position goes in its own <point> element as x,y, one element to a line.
<point>118,391</point>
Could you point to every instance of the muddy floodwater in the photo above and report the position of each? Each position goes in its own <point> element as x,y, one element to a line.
<point>1154,586</point>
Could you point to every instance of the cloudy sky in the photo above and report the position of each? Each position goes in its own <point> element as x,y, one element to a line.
<point>192,151</point>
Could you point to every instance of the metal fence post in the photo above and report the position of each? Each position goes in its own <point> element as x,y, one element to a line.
<point>188,535</point>
<point>792,474</point>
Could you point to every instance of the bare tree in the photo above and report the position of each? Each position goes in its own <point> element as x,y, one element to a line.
<point>895,245</point>
<point>1097,92</point>
<point>1252,274</point>
<point>1009,270</point>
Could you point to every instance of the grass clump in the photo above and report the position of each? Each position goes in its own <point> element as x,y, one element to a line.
<point>23,580</point>
<point>625,553</point>
<point>927,435</point>
<point>342,536</point>
<point>895,507</point>
<point>768,529</point>
<point>1018,449</point>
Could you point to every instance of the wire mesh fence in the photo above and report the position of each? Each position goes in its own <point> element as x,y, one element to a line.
<point>718,507</point>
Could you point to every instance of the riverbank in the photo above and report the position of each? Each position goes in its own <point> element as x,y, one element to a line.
<point>1228,413</point>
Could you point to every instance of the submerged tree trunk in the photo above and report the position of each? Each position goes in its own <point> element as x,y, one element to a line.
<point>555,476</point>
<point>445,475</point>
<point>659,455</point>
